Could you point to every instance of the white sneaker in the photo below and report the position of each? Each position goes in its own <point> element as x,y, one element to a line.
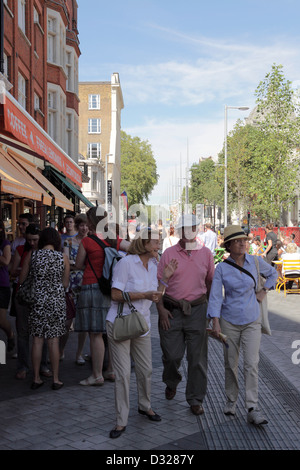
<point>256,417</point>
<point>229,408</point>
<point>80,361</point>
<point>91,380</point>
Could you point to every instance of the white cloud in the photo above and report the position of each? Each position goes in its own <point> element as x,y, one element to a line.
<point>205,80</point>
<point>174,142</point>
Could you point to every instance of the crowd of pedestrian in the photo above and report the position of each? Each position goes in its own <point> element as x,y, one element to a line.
<point>173,267</point>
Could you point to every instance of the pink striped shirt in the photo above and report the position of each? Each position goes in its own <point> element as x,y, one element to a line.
<point>194,274</point>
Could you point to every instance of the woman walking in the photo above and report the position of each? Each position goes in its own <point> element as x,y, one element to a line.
<point>237,315</point>
<point>50,269</point>
<point>135,274</point>
<point>93,305</point>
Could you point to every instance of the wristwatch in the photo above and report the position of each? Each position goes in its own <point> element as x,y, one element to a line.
<point>265,289</point>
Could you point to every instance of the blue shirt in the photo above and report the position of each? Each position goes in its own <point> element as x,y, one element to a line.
<point>239,305</point>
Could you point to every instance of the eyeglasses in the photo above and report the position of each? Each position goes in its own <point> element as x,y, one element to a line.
<point>240,240</point>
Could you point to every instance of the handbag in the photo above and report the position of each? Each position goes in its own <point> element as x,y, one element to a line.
<point>263,306</point>
<point>129,326</point>
<point>26,291</point>
<point>265,325</point>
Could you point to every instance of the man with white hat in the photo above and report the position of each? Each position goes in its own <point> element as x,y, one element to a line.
<point>182,313</point>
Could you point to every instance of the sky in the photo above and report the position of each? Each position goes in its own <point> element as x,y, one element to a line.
<point>180,63</point>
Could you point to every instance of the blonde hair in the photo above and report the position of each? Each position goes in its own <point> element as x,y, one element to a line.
<point>137,246</point>
<point>291,248</point>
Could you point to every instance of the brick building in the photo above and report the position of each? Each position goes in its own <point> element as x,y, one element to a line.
<point>39,110</point>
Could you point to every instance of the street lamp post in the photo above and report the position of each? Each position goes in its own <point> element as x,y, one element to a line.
<point>106,180</point>
<point>240,108</point>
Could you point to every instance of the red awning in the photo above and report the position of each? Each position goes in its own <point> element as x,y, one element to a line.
<point>14,180</point>
<point>24,128</point>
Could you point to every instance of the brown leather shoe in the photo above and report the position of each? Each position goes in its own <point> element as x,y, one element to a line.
<point>170,393</point>
<point>197,410</point>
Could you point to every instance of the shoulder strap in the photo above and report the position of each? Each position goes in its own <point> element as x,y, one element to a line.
<point>98,240</point>
<point>241,269</point>
<point>100,243</point>
<point>92,267</point>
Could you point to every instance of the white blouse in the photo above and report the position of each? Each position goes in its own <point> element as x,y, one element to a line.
<point>130,275</point>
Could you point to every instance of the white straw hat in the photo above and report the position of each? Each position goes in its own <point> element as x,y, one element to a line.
<point>187,220</point>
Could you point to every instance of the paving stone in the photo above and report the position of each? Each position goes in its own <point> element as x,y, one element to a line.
<point>80,418</point>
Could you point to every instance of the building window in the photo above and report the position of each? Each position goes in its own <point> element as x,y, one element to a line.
<point>51,114</point>
<point>36,102</point>
<point>69,66</point>
<point>36,16</point>
<point>22,15</point>
<point>51,100</point>
<point>6,66</point>
<point>94,101</point>
<point>22,90</point>
<point>94,150</point>
<point>94,180</point>
<point>51,39</point>
<point>94,126</point>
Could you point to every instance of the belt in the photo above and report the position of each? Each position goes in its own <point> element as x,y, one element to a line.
<point>184,305</point>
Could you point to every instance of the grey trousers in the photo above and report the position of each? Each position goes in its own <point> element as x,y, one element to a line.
<point>187,333</point>
<point>248,338</point>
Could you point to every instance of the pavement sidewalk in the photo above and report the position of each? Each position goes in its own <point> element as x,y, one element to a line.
<point>80,418</point>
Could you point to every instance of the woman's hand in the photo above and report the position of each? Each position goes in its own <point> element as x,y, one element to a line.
<point>261,295</point>
<point>170,269</point>
<point>216,329</point>
<point>154,296</point>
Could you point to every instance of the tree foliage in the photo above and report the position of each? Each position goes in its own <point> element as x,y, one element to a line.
<point>263,154</point>
<point>276,153</point>
<point>205,188</point>
<point>138,169</point>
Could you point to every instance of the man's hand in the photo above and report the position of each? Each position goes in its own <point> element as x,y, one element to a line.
<point>164,316</point>
<point>169,269</point>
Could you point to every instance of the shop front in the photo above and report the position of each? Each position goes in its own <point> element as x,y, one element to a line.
<point>27,157</point>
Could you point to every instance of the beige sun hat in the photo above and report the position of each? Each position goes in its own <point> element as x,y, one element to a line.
<point>232,232</point>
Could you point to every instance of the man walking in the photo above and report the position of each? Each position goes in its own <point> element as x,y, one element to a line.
<point>182,313</point>
<point>210,238</point>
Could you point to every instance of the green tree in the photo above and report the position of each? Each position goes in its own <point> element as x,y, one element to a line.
<point>276,156</point>
<point>241,145</point>
<point>138,169</point>
<point>205,188</point>
<point>263,155</point>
